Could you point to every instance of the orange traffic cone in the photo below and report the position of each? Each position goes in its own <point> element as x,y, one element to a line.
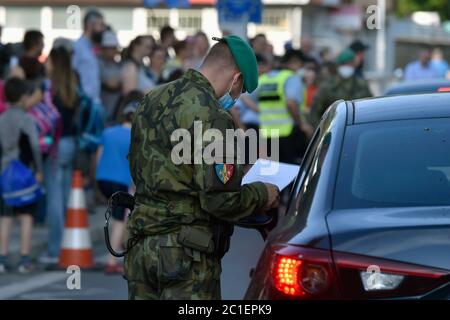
<point>76,246</point>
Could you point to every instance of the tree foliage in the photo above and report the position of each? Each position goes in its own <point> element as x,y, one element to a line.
<point>406,7</point>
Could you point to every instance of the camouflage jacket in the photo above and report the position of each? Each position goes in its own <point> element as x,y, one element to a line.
<point>334,89</point>
<point>170,195</point>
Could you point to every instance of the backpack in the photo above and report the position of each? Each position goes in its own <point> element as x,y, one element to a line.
<point>48,121</point>
<point>89,122</point>
<point>18,185</point>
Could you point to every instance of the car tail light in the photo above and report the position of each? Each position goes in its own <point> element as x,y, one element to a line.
<point>378,281</point>
<point>300,272</point>
<point>367,277</point>
<point>444,89</point>
<point>309,273</point>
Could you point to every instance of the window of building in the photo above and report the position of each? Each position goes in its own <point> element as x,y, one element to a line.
<point>190,19</point>
<point>117,18</point>
<point>157,18</point>
<point>275,18</point>
<point>23,17</point>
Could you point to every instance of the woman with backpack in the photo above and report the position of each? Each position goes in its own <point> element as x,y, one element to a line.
<point>58,167</point>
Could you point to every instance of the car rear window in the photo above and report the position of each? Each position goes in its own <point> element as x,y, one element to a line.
<point>395,163</point>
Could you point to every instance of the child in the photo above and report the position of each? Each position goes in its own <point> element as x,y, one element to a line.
<point>18,141</point>
<point>113,173</point>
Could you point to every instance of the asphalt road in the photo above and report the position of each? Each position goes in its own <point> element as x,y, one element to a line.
<point>43,284</point>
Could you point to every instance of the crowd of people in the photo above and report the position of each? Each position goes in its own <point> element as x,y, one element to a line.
<point>429,65</point>
<point>72,109</point>
<point>296,88</point>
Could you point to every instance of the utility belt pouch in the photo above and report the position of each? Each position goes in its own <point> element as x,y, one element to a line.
<point>196,239</point>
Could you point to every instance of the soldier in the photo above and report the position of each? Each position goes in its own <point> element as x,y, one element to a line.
<point>345,85</point>
<point>180,228</point>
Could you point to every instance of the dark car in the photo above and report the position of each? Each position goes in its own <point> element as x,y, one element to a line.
<point>369,212</point>
<point>416,87</point>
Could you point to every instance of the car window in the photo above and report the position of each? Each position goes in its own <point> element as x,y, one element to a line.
<point>309,185</point>
<point>291,217</point>
<point>307,181</point>
<point>306,164</point>
<point>395,163</point>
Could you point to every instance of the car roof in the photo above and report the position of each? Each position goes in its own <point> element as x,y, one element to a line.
<point>421,86</point>
<point>419,106</point>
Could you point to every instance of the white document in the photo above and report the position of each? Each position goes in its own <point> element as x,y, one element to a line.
<point>277,173</point>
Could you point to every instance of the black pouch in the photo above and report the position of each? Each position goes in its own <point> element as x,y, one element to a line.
<point>196,239</point>
<point>222,232</point>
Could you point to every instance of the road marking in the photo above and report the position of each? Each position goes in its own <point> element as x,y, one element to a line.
<point>66,295</point>
<point>37,281</point>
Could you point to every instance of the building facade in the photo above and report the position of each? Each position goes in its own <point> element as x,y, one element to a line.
<point>282,20</point>
<point>330,23</point>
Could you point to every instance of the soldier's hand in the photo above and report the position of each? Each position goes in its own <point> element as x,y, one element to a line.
<point>273,198</point>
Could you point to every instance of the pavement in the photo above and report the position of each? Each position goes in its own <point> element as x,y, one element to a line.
<point>40,234</point>
<point>246,246</point>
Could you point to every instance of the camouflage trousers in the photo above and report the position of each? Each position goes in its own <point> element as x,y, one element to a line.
<point>157,267</point>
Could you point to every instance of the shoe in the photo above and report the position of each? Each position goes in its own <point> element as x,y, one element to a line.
<point>24,268</point>
<point>46,259</point>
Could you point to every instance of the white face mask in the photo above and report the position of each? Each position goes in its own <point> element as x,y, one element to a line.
<point>346,71</point>
<point>227,101</point>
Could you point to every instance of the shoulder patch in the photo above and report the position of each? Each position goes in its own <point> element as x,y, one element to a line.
<point>224,172</point>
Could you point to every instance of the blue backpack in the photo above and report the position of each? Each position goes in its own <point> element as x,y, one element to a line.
<point>89,123</point>
<point>18,185</point>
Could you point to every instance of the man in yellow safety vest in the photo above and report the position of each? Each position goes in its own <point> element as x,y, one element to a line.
<point>280,95</point>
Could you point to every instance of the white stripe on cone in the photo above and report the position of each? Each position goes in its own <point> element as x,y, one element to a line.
<point>76,199</point>
<point>76,238</point>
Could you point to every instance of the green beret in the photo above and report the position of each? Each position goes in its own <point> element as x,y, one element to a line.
<point>245,59</point>
<point>345,56</point>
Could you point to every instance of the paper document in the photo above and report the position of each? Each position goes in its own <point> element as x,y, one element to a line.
<point>277,173</point>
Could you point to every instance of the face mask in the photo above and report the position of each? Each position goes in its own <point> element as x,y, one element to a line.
<point>227,101</point>
<point>346,71</point>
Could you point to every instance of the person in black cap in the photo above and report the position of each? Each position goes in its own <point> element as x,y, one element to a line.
<point>359,48</point>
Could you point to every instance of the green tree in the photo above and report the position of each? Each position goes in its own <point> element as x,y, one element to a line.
<point>406,7</point>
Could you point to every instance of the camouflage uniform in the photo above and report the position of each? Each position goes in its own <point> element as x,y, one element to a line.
<point>170,196</point>
<point>334,89</point>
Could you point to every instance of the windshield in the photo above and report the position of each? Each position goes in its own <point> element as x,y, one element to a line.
<point>395,163</point>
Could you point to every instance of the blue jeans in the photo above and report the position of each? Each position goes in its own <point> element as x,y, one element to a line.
<point>58,180</point>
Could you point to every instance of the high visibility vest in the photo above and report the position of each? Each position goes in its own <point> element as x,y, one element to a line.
<point>272,106</point>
